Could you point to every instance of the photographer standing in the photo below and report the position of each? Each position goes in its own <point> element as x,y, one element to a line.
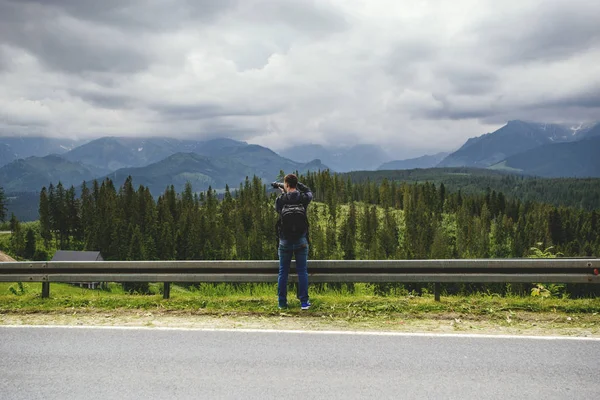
<point>292,231</point>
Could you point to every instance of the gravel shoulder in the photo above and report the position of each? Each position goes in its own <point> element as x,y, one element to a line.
<point>537,324</point>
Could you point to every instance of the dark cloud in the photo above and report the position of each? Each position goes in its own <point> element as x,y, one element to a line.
<point>314,18</point>
<point>135,15</point>
<point>66,44</point>
<point>5,61</point>
<point>103,99</point>
<point>469,81</point>
<point>206,111</point>
<point>589,98</point>
<point>448,112</point>
<point>287,71</point>
<point>554,30</point>
<point>189,111</point>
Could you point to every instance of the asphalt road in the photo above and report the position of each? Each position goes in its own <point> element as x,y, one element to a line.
<point>60,363</point>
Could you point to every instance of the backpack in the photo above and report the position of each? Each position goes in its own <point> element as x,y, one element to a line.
<point>294,222</point>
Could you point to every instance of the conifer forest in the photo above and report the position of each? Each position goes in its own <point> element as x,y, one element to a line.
<point>348,220</point>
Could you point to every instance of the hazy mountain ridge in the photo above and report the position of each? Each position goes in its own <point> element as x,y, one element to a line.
<point>340,159</point>
<point>231,166</point>
<point>32,173</point>
<point>15,147</point>
<point>202,171</point>
<point>7,155</point>
<point>426,161</point>
<point>571,159</point>
<point>513,138</point>
<point>113,153</point>
<point>179,168</point>
<point>229,161</point>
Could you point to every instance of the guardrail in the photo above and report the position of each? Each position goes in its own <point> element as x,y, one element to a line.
<point>553,270</point>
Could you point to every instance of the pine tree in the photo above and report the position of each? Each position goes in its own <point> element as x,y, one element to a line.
<point>348,234</point>
<point>441,247</point>
<point>166,244</point>
<point>87,217</point>
<point>72,206</point>
<point>44,212</point>
<point>464,232</point>
<point>183,237</point>
<point>385,194</point>
<point>500,246</point>
<point>108,224</point>
<point>366,231</point>
<point>555,226</point>
<point>147,220</point>
<point>374,224</point>
<point>137,251</point>
<point>482,232</point>
<point>30,244</point>
<point>59,217</point>
<point>226,225</point>
<point>388,235</point>
<point>419,221</point>
<point>137,248</point>
<point>442,198</point>
<point>17,237</point>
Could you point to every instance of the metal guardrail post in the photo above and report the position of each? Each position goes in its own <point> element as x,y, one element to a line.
<point>436,291</point>
<point>167,290</point>
<point>45,290</point>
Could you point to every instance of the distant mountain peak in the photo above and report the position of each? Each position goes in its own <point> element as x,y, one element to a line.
<point>426,161</point>
<point>358,157</point>
<point>515,137</point>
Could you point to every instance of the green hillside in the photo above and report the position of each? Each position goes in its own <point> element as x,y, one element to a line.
<point>573,192</point>
<point>31,174</point>
<point>202,171</point>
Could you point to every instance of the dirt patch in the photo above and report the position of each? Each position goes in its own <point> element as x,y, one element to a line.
<point>534,324</point>
<point>5,257</point>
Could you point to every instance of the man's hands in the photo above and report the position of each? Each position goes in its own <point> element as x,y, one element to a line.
<point>302,187</point>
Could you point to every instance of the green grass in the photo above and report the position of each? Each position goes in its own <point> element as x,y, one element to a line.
<point>260,299</point>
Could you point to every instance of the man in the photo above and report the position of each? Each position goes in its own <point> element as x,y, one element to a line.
<point>292,229</point>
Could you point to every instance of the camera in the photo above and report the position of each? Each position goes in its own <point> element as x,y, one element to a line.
<point>277,185</point>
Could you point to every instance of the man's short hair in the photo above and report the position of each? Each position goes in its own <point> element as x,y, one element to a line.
<point>291,180</point>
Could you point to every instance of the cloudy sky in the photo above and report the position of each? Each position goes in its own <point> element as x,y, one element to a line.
<point>413,76</point>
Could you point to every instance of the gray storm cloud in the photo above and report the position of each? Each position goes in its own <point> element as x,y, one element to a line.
<point>414,77</point>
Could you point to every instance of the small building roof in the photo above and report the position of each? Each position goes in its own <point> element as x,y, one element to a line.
<point>69,255</point>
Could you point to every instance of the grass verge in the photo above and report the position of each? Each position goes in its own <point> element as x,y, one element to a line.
<point>255,306</point>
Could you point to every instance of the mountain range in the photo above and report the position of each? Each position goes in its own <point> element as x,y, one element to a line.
<point>571,159</point>
<point>112,153</point>
<point>203,171</point>
<point>340,159</point>
<point>527,148</point>
<point>14,148</point>
<point>32,173</point>
<point>427,161</point>
<point>156,163</point>
<point>513,138</point>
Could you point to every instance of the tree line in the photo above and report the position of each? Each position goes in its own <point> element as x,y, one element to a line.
<point>348,220</point>
<point>571,192</point>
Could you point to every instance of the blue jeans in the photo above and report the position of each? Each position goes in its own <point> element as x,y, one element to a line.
<point>287,249</point>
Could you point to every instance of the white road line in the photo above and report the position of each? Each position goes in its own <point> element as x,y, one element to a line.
<point>291,331</point>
